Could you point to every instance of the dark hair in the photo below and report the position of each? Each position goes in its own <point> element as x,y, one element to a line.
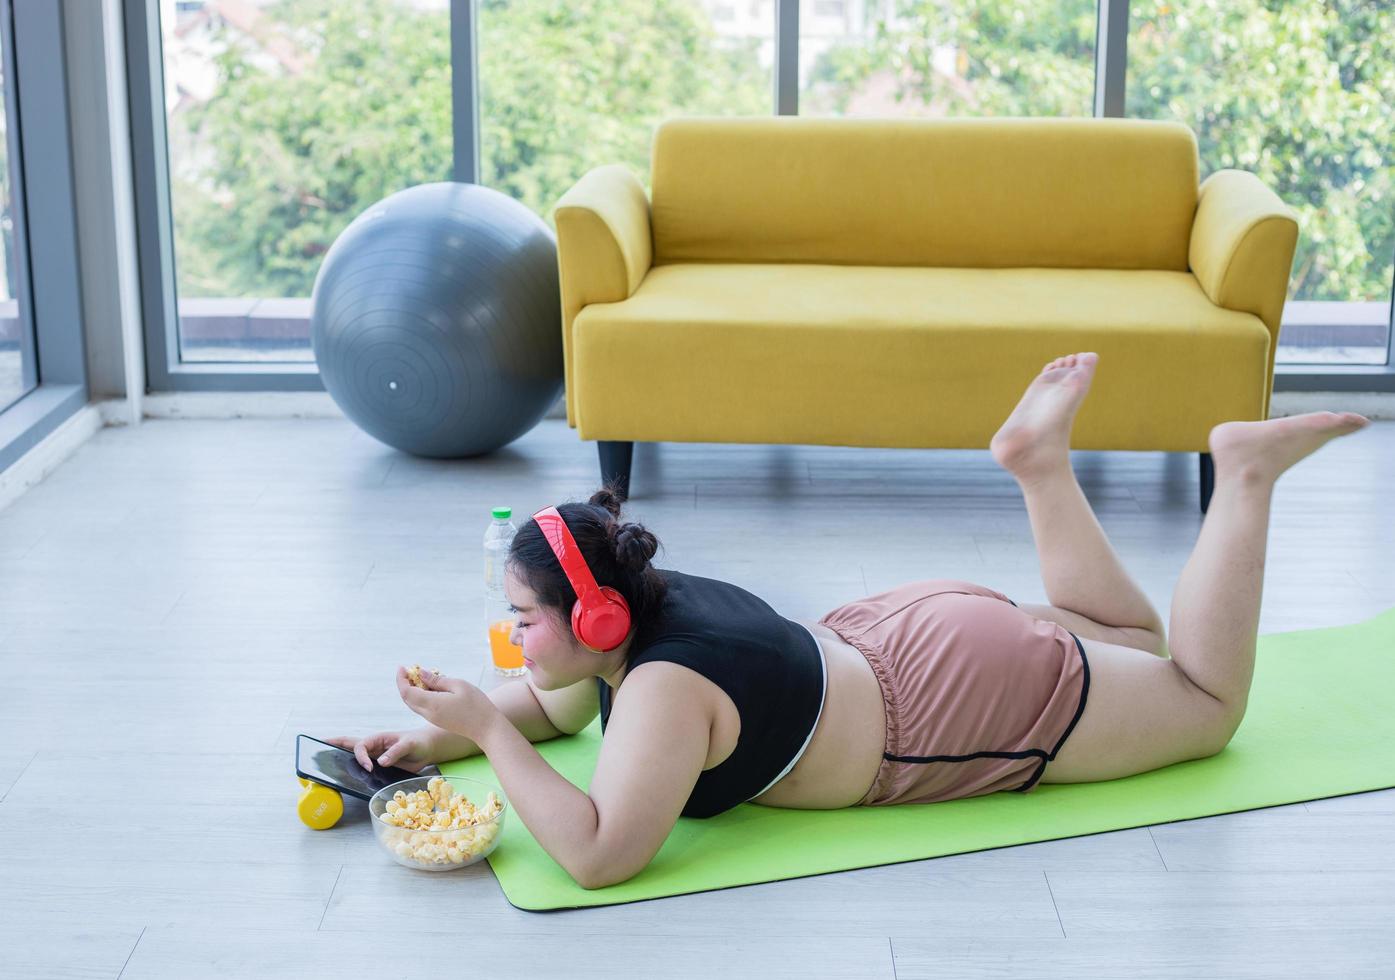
<point>617,554</point>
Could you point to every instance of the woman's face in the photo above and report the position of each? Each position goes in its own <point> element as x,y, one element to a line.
<point>552,655</point>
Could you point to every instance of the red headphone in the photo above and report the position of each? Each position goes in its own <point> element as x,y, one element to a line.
<point>600,616</point>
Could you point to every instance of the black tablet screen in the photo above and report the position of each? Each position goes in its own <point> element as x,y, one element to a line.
<point>333,766</point>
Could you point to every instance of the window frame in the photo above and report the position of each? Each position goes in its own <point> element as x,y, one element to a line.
<point>47,274</point>
<point>155,234</point>
<point>28,350</point>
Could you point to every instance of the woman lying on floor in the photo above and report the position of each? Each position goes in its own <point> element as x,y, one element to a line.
<point>935,690</point>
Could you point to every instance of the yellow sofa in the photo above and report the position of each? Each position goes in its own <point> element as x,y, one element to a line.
<point>899,282</point>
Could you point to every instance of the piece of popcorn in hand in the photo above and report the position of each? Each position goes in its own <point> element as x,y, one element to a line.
<point>414,675</point>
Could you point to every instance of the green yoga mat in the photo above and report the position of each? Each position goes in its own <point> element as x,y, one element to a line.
<point>1320,723</point>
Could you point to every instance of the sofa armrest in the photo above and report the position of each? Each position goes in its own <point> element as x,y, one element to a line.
<point>1242,246</point>
<point>604,248</point>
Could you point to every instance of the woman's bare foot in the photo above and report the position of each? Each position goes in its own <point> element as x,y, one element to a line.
<point>1262,451</point>
<point>1035,439</point>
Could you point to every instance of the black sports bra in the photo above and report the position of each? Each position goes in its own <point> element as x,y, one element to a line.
<point>772,668</point>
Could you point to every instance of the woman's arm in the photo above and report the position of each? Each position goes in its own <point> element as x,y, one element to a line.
<point>655,745</point>
<point>516,702</point>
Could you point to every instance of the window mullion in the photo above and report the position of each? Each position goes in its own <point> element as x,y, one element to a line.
<point>464,87</point>
<point>1111,56</point>
<point>787,57</point>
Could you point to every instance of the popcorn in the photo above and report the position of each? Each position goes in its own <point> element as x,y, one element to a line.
<point>439,826</point>
<point>414,675</point>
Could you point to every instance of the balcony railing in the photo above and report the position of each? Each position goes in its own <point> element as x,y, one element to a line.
<point>232,330</point>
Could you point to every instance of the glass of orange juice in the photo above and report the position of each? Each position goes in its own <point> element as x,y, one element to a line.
<point>507,656</point>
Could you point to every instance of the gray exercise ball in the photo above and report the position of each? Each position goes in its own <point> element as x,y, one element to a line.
<point>436,320</point>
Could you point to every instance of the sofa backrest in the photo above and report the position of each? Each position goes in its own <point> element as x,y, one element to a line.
<point>983,193</point>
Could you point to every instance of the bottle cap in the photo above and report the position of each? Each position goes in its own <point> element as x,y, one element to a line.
<point>502,513</point>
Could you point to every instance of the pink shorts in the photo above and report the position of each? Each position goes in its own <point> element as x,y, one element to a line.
<point>979,695</point>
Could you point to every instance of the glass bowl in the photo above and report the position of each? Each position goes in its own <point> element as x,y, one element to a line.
<point>433,847</point>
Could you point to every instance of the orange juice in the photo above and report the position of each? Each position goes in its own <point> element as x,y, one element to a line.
<point>508,657</point>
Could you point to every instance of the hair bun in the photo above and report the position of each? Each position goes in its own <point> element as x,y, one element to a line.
<point>607,498</point>
<point>634,546</point>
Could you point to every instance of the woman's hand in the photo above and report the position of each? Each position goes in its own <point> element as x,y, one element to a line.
<point>412,751</point>
<point>450,703</point>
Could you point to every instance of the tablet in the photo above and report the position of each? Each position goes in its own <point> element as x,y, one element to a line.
<point>337,768</point>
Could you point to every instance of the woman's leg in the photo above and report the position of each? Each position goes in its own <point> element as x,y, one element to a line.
<point>1215,605</point>
<point>1142,713</point>
<point>1079,568</point>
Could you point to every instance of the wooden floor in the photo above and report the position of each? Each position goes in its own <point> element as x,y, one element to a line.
<point>178,600</point>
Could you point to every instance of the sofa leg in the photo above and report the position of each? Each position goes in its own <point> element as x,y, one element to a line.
<point>1208,480</point>
<point>615,464</point>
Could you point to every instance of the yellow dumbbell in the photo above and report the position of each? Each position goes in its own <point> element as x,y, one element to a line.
<point>319,807</point>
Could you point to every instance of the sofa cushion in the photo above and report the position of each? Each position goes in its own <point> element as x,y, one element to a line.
<point>884,356</point>
<point>966,193</point>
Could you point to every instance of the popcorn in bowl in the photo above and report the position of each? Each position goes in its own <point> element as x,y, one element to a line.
<point>437,823</point>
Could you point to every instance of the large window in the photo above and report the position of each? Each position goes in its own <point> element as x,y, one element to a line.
<point>18,374</point>
<point>285,119</point>
<point>947,57</point>
<point>565,87</point>
<point>281,120</point>
<point>1298,93</point>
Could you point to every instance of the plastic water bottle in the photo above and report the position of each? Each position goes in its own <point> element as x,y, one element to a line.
<point>506,656</point>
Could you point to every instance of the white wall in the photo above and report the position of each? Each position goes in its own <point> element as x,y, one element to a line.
<point>106,221</point>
